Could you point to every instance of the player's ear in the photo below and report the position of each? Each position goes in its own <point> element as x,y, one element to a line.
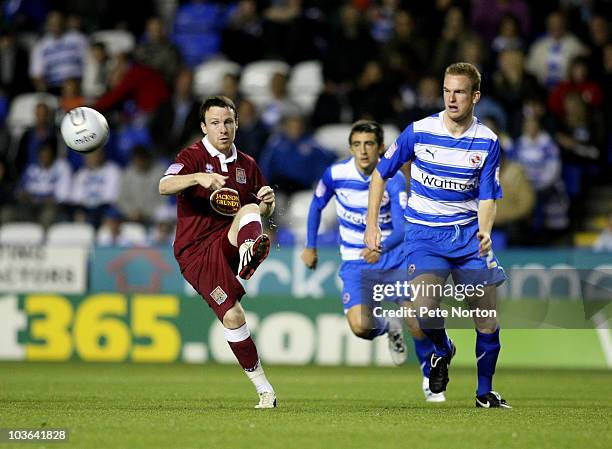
<point>203,127</point>
<point>476,97</point>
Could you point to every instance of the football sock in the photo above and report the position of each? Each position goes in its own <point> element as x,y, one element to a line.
<point>244,349</point>
<point>380,327</point>
<point>440,340</point>
<point>487,350</point>
<point>424,348</point>
<point>249,228</point>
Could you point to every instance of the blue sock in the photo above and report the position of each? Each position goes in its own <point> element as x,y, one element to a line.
<point>487,350</point>
<point>440,340</point>
<point>424,348</point>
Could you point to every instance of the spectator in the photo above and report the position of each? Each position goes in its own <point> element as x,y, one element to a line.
<point>44,188</point>
<point>31,140</point>
<point>280,103</point>
<point>139,193</point>
<point>454,34</point>
<point>549,56</point>
<point>95,188</point>
<point>288,152</point>
<point>230,87</point>
<point>57,56</point>
<point>428,101</point>
<point>134,81</point>
<point>158,52</point>
<point>112,231</point>
<point>604,241</point>
<point>580,82</point>
<point>177,118</point>
<point>97,72</point>
<point>370,98</point>
<point>162,232</point>
<point>540,157</point>
<point>242,40</point>
<point>509,35</point>
<point>14,60</point>
<point>7,194</point>
<point>329,105</point>
<point>382,19</point>
<point>251,135</point>
<point>487,15</point>
<point>599,37</point>
<point>71,96</point>
<point>197,30</point>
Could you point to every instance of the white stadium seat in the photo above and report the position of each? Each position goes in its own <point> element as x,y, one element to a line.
<point>305,84</point>
<point>297,211</point>
<point>22,113</point>
<point>208,76</point>
<point>116,41</point>
<point>334,137</point>
<point>132,234</point>
<point>23,233</point>
<point>71,234</point>
<point>392,132</point>
<point>255,79</point>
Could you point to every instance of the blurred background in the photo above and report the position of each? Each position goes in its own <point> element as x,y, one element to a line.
<point>300,72</point>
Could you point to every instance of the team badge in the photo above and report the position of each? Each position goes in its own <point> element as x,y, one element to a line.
<point>411,268</point>
<point>346,298</point>
<point>475,160</point>
<point>218,295</point>
<point>209,168</point>
<point>240,175</point>
<point>174,169</point>
<point>391,151</point>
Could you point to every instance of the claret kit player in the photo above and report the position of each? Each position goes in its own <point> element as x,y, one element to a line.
<point>221,197</point>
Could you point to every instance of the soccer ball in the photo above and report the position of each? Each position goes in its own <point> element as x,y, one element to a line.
<point>84,129</point>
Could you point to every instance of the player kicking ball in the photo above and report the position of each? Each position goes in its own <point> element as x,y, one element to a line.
<point>221,197</point>
<point>348,181</point>
<point>454,183</point>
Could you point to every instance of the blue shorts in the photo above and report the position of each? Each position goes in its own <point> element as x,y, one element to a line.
<point>452,250</point>
<point>359,277</point>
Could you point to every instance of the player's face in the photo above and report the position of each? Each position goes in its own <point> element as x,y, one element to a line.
<point>366,151</point>
<point>459,99</point>
<point>220,126</point>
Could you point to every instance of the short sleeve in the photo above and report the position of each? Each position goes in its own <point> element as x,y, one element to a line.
<point>400,152</point>
<point>490,188</point>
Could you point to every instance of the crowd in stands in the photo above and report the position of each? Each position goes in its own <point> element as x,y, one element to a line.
<point>546,90</point>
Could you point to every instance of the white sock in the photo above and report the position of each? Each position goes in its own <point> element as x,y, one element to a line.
<point>259,379</point>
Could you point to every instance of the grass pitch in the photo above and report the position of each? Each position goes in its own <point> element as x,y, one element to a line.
<point>211,406</point>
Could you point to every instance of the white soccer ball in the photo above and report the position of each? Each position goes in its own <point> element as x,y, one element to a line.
<point>84,129</point>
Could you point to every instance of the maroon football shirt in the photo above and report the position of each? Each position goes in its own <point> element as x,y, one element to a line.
<point>197,222</point>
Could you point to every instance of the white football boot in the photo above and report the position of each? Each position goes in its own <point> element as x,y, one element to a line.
<point>397,344</point>
<point>429,395</point>
<point>267,399</point>
<point>252,254</point>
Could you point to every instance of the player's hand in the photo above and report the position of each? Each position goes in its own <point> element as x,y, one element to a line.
<point>485,243</point>
<point>372,237</point>
<point>370,256</point>
<point>266,195</point>
<point>310,257</point>
<point>212,181</point>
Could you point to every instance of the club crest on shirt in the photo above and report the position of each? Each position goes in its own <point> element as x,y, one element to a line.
<point>391,151</point>
<point>346,298</point>
<point>209,168</point>
<point>411,268</point>
<point>475,159</point>
<point>218,295</point>
<point>240,175</point>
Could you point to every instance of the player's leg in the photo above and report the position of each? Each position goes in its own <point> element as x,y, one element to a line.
<point>238,336</point>
<point>246,233</point>
<point>424,348</point>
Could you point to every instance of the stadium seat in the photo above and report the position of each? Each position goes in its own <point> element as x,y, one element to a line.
<point>305,84</point>
<point>24,232</point>
<point>22,112</point>
<point>71,234</point>
<point>256,76</point>
<point>132,234</point>
<point>299,204</point>
<point>334,137</point>
<point>392,132</point>
<point>208,76</point>
<point>116,41</point>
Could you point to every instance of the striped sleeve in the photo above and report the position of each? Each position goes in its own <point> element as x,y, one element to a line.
<point>400,152</point>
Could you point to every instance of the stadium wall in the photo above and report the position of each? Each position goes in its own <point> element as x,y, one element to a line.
<point>132,305</point>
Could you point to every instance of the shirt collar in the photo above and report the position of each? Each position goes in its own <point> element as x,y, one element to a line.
<point>216,153</point>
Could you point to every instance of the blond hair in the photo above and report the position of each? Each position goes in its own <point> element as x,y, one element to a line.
<point>465,69</point>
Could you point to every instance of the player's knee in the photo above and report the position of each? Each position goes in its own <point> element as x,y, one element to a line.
<point>249,209</point>
<point>361,330</point>
<point>234,318</point>
<point>486,325</point>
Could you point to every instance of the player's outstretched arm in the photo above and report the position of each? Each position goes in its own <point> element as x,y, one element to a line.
<point>486,218</point>
<point>171,185</point>
<point>373,236</point>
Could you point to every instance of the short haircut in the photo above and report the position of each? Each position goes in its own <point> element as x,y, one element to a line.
<point>368,126</point>
<point>465,69</point>
<point>217,101</point>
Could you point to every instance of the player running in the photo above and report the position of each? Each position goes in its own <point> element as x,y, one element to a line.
<point>348,180</point>
<point>222,196</point>
<point>450,213</point>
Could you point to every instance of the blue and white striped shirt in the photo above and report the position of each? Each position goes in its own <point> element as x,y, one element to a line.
<point>449,175</point>
<point>350,187</point>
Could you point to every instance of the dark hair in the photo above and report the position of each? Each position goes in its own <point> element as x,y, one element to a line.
<point>218,101</point>
<point>368,126</point>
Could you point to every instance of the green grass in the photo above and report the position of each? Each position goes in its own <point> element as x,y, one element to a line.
<point>211,406</point>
